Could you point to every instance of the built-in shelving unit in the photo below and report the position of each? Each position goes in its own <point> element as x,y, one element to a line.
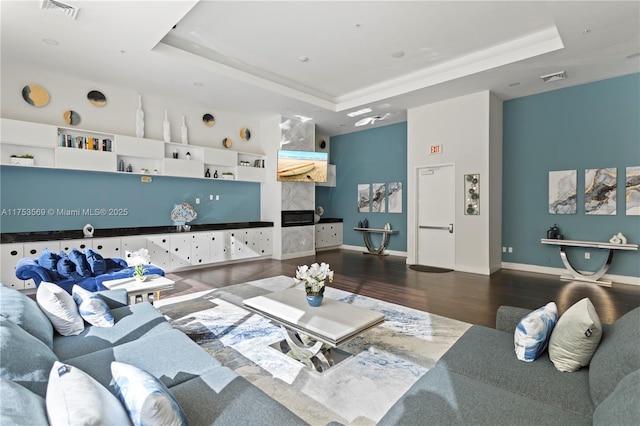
<point>76,149</point>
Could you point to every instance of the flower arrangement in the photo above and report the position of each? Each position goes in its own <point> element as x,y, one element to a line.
<point>314,278</point>
<point>138,272</point>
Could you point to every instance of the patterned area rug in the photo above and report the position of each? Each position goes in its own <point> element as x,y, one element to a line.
<point>385,360</point>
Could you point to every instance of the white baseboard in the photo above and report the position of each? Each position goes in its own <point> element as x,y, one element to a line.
<point>294,255</point>
<point>622,279</point>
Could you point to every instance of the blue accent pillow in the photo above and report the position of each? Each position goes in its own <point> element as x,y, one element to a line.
<point>49,261</point>
<point>82,267</point>
<point>96,262</point>
<point>533,332</point>
<point>146,398</point>
<point>93,309</point>
<point>66,268</point>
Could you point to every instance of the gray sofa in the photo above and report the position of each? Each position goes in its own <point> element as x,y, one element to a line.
<point>480,381</point>
<point>207,392</point>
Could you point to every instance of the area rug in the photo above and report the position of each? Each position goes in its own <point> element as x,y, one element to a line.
<point>385,360</point>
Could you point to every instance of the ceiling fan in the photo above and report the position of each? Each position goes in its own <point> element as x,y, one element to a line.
<point>371,120</point>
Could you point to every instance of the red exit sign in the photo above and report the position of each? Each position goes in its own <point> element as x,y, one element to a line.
<point>435,149</point>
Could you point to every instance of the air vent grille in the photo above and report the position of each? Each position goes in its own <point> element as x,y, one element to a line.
<point>554,77</point>
<point>70,11</point>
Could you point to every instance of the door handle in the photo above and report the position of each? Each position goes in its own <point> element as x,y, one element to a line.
<point>444,228</point>
<point>451,228</point>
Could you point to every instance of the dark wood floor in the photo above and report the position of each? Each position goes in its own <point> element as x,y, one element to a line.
<point>467,297</point>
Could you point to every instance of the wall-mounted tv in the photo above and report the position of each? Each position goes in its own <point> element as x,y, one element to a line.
<point>302,166</point>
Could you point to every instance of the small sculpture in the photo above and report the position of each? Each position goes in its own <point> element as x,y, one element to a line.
<point>166,128</point>
<point>619,239</point>
<point>184,132</point>
<point>88,230</point>
<point>139,119</point>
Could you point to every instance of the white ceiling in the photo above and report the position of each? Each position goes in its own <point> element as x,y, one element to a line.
<point>385,55</point>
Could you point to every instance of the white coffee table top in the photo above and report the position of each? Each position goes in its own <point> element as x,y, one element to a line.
<point>333,322</point>
<point>152,283</point>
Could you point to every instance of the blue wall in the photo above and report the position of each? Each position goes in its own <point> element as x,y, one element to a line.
<point>148,204</point>
<point>371,156</point>
<point>594,125</point>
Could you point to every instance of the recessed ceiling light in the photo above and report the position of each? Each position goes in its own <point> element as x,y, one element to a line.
<point>586,31</point>
<point>123,51</point>
<point>50,41</point>
<point>397,55</point>
<point>634,55</point>
<point>303,59</point>
<point>359,112</point>
<point>517,83</point>
<point>198,84</point>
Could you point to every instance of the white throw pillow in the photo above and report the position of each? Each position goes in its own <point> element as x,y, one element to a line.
<point>147,399</point>
<point>533,331</point>
<point>60,308</point>
<point>92,308</point>
<point>575,337</point>
<point>75,398</point>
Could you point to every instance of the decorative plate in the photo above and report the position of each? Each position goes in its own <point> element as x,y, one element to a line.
<point>96,98</point>
<point>71,117</point>
<point>245,134</point>
<point>208,120</point>
<point>226,142</point>
<point>35,95</point>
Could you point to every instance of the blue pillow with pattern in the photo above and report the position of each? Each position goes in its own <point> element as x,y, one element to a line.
<point>146,398</point>
<point>533,332</point>
<point>66,268</point>
<point>93,309</point>
<point>49,261</point>
<point>96,262</point>
<point>82,267</point>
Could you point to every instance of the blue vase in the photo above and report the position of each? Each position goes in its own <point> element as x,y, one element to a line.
<point>314,301</point>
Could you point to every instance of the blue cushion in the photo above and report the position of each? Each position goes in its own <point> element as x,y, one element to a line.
<point>96,262</point>
<point>49,261</point>
<point>25,359</point>
<point>532,334</point>
<point>93,309</point>
<point>147,399</point>
<point>66,268</point>
<point>82,267</point>
<point>20,406</point>
<point>24,312</point>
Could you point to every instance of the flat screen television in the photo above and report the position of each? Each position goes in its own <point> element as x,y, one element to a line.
<point>302,166</point>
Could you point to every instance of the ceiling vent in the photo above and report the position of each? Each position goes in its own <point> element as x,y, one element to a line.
<point>554,77</point>
<point>70,11</point>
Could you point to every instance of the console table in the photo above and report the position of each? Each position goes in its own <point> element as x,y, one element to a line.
<point>579,276</point>
<point>366,233</point>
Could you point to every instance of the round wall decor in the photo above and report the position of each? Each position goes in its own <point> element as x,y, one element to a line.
<point>71,117</point>
<point>245,134</point>
<point>96,98</point>
<point>208,120</point>
<point>226,142</point>
<point>35,95</point>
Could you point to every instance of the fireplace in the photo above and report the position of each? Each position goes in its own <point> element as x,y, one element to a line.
<point>297,218</point>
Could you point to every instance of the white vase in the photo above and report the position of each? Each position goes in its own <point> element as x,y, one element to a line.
<point>184,132</point>
<point>139,119</point>
<point>166,128</point>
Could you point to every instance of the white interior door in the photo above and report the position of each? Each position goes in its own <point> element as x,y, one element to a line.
<point>436,213</point>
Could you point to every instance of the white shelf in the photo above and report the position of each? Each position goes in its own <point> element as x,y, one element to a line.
<point>139,147</point>
<point>185,168</point>
<point>83,159</point>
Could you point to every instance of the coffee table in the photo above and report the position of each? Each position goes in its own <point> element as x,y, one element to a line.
<point>312,332</point>
<point>145,291</point>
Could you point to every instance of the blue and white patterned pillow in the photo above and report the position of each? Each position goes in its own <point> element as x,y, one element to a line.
<point>92,308</point>
<point>146,398</point>
<point>533,332</point>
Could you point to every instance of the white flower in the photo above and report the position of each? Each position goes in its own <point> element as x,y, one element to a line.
<point>314,277</point>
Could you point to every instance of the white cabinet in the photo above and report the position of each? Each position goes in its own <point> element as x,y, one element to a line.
<point>108,247</point>
<point>200,248</point>
<point>11,254</point>
<point>144,155</point>
<point>183,168</point>
<point>180,251</point>
<point>132,243</point>
<point>83,159</point>
<point>265,244</point>
<point>159,246</point>
<point>218,246</point>
<point>68,245</point>
<point>21,138</point>
<point>328,234</point>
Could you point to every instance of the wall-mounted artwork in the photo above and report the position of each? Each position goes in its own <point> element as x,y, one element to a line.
<point>472,194</point>
<point>71,117</point>
<point>208,120</point>
<point>394,199</point>
<point>632,195</point>
<point>600,191</point>
<point>563,192</point>
<point>364,197</point>
<point>35,95</point>
<point>245,134</point>
<point>379,199</point>
<point>96,98</point>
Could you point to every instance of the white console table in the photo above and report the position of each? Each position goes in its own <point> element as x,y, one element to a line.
<point>366,233</point>
<point>579,276</point>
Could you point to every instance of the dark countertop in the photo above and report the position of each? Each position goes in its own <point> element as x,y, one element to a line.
<point>330,219</point>
<point>23,237</point>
